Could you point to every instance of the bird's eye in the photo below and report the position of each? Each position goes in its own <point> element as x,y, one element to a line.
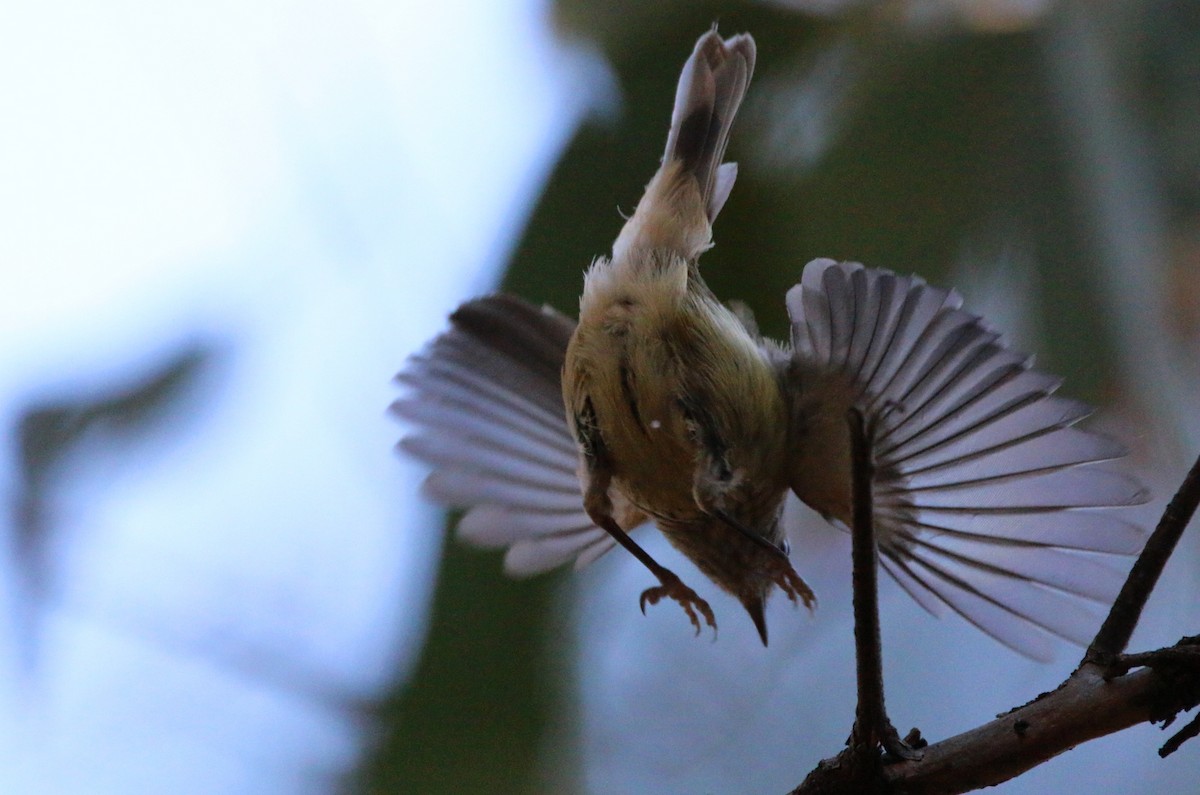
<point>785,546</point>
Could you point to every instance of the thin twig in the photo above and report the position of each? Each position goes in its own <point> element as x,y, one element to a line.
<point>1084,707</point>
<point>1102,696</point>
<point>1180,737</point>
<point>1114,634</point>
<point>859,767</point>
<point>864,555</point>
<point>1184,653</point>
<point>871,725</point>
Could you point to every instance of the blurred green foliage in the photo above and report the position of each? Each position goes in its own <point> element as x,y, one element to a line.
<point>473,719</point>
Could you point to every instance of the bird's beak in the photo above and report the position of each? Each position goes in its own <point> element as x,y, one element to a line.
<point>754,606</point>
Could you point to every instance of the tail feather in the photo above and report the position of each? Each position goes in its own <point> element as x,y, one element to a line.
<point>711,89</point>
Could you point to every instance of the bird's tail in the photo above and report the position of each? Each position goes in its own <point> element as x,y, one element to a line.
<point>711,89</point>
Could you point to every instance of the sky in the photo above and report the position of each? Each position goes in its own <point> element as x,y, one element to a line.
<point>299,192</point>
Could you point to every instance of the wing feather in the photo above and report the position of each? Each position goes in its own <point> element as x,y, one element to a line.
<point>485,406</point>
<point>988,499</point>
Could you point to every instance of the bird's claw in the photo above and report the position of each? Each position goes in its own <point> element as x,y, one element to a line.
<point>791,584</point>
<point>673,588</point>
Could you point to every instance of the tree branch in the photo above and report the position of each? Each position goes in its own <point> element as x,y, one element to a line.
<point>1114,634</point>
<point>1086,706</point>
<point>872,727</point>
<point>1102,696</point>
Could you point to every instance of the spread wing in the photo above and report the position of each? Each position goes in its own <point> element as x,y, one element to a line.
<point>485,405</point>
<point>987,499</point>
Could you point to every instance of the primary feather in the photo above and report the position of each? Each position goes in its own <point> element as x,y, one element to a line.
<point>982,483</point>
<point>486,407</point>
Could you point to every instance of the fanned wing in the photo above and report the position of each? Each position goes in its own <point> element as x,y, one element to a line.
<point>987,499</point>
<point>485,403</point>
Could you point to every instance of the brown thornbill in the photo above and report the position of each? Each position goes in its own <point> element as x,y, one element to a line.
<point>664,405</point>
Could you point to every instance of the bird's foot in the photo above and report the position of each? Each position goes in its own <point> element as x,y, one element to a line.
<point>673,588</point>
<point>791,584</point>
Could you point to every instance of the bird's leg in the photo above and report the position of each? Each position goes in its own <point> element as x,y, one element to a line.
<point>872,728</point>
<point>599,507</point>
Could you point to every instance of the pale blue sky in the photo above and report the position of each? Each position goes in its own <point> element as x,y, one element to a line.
<point>304,187</point>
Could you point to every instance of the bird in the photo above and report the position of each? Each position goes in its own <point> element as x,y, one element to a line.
<point>661,404</point>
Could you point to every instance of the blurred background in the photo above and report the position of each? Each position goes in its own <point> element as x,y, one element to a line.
<point>224,226</point>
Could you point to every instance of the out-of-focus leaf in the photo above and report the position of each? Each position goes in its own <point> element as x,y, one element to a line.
<point>49,431</point>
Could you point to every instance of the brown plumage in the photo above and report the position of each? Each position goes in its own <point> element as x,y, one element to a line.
<point>671,407</point>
